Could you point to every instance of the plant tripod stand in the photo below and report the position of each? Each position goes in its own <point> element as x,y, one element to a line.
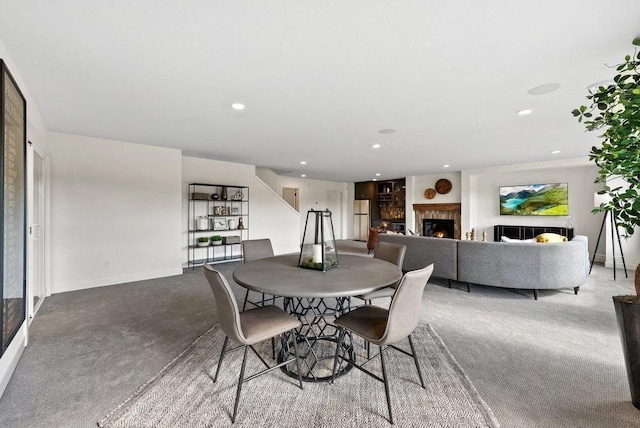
<point>614,226</point>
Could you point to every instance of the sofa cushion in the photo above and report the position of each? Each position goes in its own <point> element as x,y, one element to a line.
<point>550,237</point>
<point>517,241</point>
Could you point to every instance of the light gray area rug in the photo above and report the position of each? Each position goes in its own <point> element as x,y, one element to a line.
<point>183,394</point>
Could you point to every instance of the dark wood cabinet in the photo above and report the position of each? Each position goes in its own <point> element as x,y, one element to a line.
<point>387,201</point>
<point>365,190</point>
<point>528,232</point>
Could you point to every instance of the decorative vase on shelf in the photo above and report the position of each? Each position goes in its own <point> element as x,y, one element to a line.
<point>240,224</point>
<point>202,223</point>
<point>223,195</point>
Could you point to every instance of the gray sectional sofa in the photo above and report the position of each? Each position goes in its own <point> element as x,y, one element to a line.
<point>530,266</point>
<point>422,251</point>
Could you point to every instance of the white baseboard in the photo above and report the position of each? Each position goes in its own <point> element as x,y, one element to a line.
<point>113,280</point>
<point>12,355</point>
<point>631,263</point>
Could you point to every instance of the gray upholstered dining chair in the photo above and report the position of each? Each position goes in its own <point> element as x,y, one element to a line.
<point>256,249</point>
<point>248,328</point>
<point>385,327</point>
<point>392,253</point>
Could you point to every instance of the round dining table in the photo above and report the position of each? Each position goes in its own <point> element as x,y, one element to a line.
<point>316,298</point>
<point>281,276</point>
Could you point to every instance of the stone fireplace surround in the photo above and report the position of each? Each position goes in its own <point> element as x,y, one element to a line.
<point>439,211</point>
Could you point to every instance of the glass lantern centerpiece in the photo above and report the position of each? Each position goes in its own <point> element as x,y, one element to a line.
<point>318,249</point>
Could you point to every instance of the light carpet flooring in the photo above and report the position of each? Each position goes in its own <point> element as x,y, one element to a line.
<point>555,362</point>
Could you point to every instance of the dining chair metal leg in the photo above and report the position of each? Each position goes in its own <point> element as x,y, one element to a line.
<point>366,343</point>
<point>295,349</point>
<point>224,348</point>
<point>415,359</point>
<point>246,298</point>
<point>273,348</point>
<point>386,383</point>
<point>335,359</point>
<point>240,380</point>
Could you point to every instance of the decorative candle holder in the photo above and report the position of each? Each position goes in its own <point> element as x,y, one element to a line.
<point>318,248</point>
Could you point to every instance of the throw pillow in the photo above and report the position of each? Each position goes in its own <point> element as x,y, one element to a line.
<point>550,237</point>
<point>517,241</point>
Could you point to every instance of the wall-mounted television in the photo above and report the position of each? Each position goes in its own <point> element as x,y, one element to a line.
<point>535,199</point>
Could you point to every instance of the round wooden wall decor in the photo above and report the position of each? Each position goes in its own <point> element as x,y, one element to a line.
<point>430,193</point>
<point>443,186</point>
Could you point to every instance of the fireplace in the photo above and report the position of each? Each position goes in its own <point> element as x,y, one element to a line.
<point>438,228</point>
<point>447,211</point>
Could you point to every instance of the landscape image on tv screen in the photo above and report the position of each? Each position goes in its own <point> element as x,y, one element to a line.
<point>535,199</point>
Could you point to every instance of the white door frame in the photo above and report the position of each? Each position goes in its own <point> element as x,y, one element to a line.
<point>37,231</point>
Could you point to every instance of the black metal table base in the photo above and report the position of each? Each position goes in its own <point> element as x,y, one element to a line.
<point>317,338</point>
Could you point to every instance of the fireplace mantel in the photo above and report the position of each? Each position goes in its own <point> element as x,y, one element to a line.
<point>437,207</point>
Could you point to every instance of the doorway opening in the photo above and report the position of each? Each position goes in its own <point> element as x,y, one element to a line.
<point>290,195</point>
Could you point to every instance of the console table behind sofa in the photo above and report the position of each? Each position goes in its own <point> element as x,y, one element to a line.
<point>528,232</point>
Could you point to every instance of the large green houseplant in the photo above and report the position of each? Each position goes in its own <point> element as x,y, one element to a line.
<point>615,109</point>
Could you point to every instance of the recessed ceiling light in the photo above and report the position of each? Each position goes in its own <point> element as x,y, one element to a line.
<point>386,131</point>
<point>543,89</point>
<point>303,162</point>
<point>446,165</point>
<point>375,179</point>
<point>525,112</point>
<point>555,152</point>
<point>303,175</point>
<point>375,146</point>
<point>377,174</point>
<point>237,106</point>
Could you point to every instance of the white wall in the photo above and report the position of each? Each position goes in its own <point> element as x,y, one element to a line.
<point>423,182</point>
<point>270,178</point>
<point>483,188</point>
<point>313,195</point>
<point>115,212</point>
<point>318,195</point>
<point>630,246</point>
<point>477,191</point>
<point>269,215</point>
<point>416,185</point>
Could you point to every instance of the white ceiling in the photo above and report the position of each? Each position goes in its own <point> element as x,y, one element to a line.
<point>321,78</point>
